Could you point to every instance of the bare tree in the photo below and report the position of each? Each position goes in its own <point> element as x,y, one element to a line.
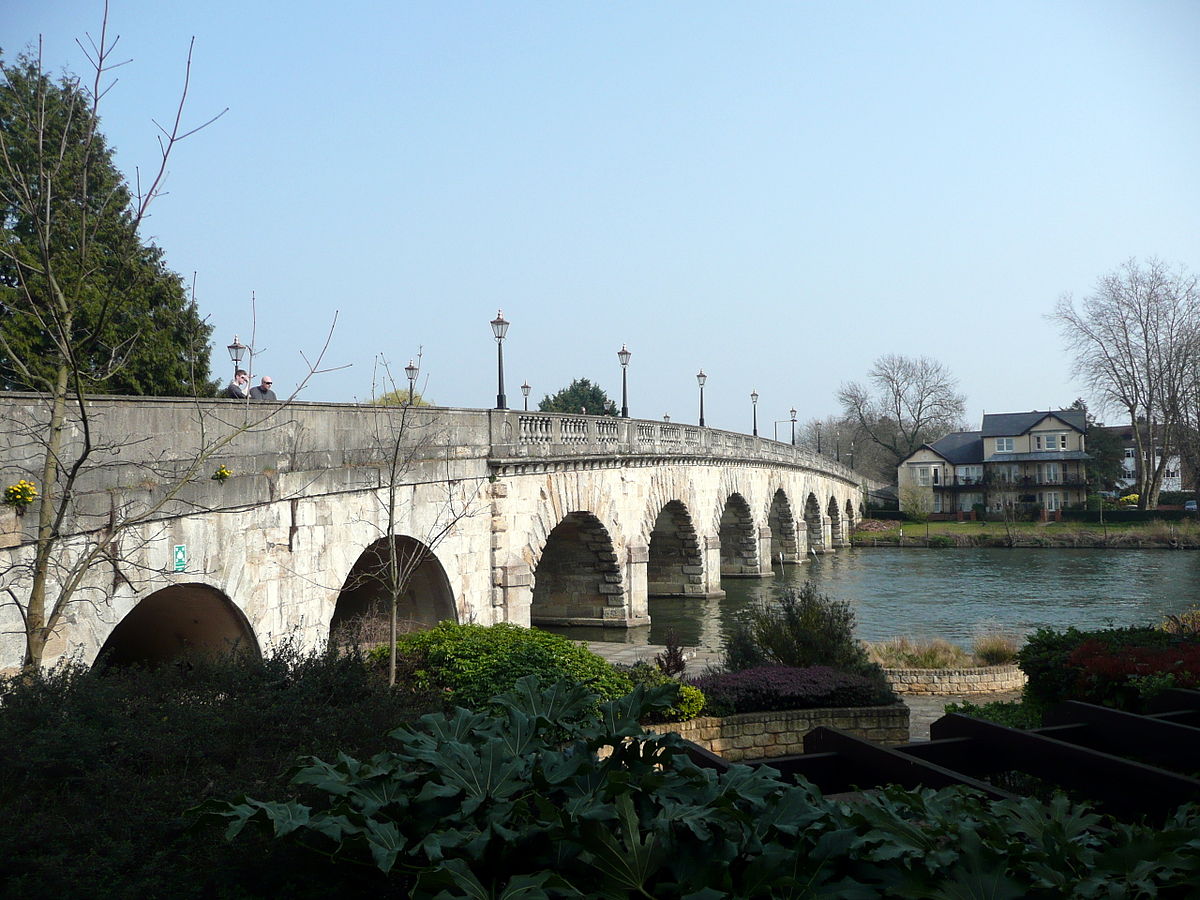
<point>413,463</point>
<point>1134,339</point>
<point>61,247</point>
<point>905,403</point>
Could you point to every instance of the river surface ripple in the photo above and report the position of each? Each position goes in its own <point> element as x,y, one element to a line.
<point>954,594</point>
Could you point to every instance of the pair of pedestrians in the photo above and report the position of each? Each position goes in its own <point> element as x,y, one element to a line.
<point>237,388</point>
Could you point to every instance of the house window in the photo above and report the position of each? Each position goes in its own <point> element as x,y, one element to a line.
<point>1004,445</point>
<point>1050,441</point>
<point>969,474</point>
<point>1049,473</point>
<point>1130,453</point>
<point>1051,501</point>
<point>923,476</point>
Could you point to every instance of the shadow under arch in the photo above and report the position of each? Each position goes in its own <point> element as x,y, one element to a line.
<point>784,547</point>
<point>363,611</point>
<point>739,544</point>
<point>675,567</point>
<point>836,535</point>
<point>177,622</point>
<point>812,521</point>
<point>577,578</point>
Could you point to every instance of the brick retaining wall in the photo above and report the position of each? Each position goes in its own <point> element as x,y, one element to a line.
<point>981,680</point>
<point>769,734</point>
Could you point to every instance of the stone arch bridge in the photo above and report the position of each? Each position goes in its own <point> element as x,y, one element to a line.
<point>497,516</point>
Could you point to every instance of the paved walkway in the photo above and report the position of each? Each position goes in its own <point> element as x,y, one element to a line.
<point>923,709</point>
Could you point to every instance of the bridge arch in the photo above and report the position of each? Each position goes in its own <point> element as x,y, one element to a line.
<point>851,518</point>
<point>836,535</point>
<point>814,525</point>
<point>577,580</point>
<point>675,563</point>
<point>363,611</point>
<point>739,541</point>
<point>176,622</point>
<point>782,522</point>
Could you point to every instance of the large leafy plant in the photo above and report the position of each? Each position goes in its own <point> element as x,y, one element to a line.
<point>539,802</point>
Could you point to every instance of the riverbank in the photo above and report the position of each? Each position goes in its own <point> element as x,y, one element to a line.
<point>1183,535</point>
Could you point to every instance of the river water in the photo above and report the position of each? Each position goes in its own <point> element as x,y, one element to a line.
<point>952,594</point>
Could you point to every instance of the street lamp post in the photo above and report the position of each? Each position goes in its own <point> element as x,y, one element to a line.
<point>700,379</point>
<point>792,411</point>
<point>236,351</point>
<point>499,329</point>
<point>525,389</point>
<point>623,355</point>
<point>754,406</point>
<point>411,370</point>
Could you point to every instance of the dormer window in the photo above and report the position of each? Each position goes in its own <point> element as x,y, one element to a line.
<point>1004,445</point>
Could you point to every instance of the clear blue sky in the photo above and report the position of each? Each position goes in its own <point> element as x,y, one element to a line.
<point>775,192</point>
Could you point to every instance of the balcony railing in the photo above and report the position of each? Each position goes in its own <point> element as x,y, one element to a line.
<point>1024,482</point>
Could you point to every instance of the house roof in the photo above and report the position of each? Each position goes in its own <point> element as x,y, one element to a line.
<point>1011,424</point>
<point>960,447</point>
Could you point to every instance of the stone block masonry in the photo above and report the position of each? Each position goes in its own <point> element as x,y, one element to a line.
<point>980,680</point>
<point>765,735</point>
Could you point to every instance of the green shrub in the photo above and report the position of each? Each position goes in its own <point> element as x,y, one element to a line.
<point>687,704</point>
<point>473,663</point>
<point>97,770</point>
<point>940,542</point>
<point>1014,713</point>
<point>472,805</point>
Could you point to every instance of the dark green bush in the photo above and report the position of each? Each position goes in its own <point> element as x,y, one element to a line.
<point>768,688</point>
<point>472,805</point>
<point>473,663</point>
<point>96,771</point>
<point>687,705</point>
<point>940,541</point>
<point>1014,714</point>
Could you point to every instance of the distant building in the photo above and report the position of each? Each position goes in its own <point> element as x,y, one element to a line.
<point>1022,461</point>
<point>1173,476</point>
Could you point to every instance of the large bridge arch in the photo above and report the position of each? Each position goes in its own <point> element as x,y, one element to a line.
<point>176,622</point>
<point>577,579</point>
<point>782,522</point>
<point>675,561</point>
<point>363,610</point>
<point>836,535</point>
<point>814,525</point>
<point>739,538</point>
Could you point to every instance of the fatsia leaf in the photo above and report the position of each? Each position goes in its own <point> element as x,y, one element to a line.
<point>627,858</point>
<point>385,842</point>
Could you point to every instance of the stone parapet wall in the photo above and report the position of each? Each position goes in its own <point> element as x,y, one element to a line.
<point>781,733</point>
<point>979,680</point>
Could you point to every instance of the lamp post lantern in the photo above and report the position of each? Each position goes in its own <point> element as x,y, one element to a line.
<point>700,379</point>
<point>525,389</point>
<point>793,414</point>
<point>236,351</point>
<point>499,329</point>
<point>412,371</point>
<point>623,355</point>
<point>754,406</point>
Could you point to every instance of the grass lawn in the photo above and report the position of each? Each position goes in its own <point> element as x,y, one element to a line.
<point>1067,534</point>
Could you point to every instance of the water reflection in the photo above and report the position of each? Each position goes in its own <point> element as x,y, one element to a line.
<point>953,594</point>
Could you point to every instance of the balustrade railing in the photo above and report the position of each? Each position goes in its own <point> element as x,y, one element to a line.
<point>566,435</point>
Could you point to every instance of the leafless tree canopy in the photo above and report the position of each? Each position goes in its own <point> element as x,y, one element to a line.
<point>1134,341</point>
<point>905,403</point>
